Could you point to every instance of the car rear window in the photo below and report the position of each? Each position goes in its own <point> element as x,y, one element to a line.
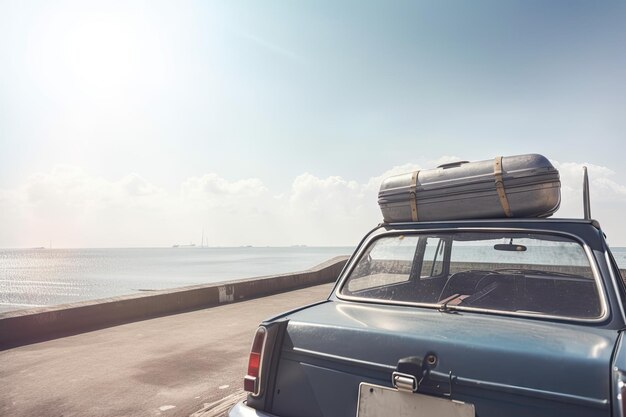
<point>524,273</point>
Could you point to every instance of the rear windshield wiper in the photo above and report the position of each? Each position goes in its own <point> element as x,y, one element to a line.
<point>445,308</point>
<point>450,304</point>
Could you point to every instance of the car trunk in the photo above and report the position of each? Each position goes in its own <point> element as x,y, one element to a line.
<point>503,365</point>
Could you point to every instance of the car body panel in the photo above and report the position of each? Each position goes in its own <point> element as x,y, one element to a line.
<point>336,345</point>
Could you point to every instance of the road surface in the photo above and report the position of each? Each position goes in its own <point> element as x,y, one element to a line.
<point>168,366</point>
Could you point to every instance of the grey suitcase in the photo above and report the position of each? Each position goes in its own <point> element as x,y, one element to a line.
<point>512,186</point>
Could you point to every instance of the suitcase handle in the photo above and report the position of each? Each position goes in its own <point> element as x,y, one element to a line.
<point>453,164</point>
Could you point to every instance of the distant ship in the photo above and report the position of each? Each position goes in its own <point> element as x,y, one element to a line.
<point>191,245</point>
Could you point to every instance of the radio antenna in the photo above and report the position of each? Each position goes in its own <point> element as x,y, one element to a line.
<point>586,203</point>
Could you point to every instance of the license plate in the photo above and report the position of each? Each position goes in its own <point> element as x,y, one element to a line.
<point>377,401</point>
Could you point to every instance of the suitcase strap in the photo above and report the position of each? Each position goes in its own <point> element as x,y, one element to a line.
<point>497,172</point>
<point>413,198</point>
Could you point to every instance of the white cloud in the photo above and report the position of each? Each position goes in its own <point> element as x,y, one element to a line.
<point>374,183</point>
<point>73,208</point>
<point>327,211</point>
<point>211,185</point>
<point>136,186</point>
<point>312,194</point>
<point>211,192</point>
<point>607,196</point>
<point>72,187</point>
<point>603,188</point>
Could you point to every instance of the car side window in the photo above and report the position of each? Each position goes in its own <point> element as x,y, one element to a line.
<point>432,264</point>
<point>386,263</point>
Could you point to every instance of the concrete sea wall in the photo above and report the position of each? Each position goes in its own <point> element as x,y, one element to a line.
<point>28,326</point>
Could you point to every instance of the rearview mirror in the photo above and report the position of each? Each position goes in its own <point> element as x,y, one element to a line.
<point>510,247</point>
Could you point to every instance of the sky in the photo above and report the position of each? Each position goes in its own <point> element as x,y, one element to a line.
<point>142,123</point>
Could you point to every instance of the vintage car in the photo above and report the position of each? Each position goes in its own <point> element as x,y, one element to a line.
<point>485,317</point>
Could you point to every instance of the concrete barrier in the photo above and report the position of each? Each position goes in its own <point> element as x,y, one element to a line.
<point>33,325</point>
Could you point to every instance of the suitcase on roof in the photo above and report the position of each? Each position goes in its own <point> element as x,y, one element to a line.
<point>512,186</point>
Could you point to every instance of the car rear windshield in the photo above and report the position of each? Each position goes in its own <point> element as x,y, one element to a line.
<point>527,273</point>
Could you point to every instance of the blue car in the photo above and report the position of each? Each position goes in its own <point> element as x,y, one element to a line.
<point>464,318</point>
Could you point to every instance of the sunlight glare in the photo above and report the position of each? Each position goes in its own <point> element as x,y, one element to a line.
<point>101,56</point>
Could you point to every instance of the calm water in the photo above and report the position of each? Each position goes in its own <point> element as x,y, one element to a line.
<point>33,278</point>
<point>620,256</point>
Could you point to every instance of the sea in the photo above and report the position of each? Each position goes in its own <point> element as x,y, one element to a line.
<point>32,278</point>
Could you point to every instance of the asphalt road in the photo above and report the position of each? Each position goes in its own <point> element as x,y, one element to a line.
<point>169,366</point>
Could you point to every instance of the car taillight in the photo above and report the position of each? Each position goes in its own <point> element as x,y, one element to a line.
<point>252,381</point>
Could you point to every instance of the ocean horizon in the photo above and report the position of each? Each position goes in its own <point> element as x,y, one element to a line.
<point>36,277</point>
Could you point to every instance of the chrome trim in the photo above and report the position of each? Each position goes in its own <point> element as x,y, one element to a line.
<point>351,361</point>
<point>437,376</point>
<point>404,382</point>
<point>618,380</point>
<point>621,386</point>
<point>515,389</point>
<point>590,258</point>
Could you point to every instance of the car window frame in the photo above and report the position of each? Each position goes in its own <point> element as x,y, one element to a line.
<point>597,277</point>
